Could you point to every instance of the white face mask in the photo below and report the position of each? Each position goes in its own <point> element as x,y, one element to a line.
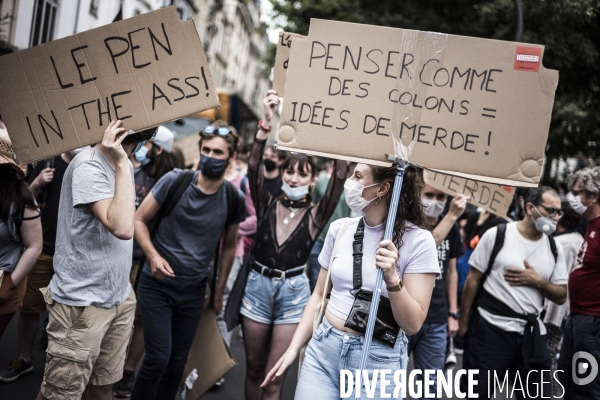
<point>433,208</point>
<point>544,224</point>
<point>295,193</point>
<point>576,204</point>
<point>353,193</point>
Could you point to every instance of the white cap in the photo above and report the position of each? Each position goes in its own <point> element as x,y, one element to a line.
<point>164,138</point>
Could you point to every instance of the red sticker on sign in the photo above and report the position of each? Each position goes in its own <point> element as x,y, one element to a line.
<point>528,58</point>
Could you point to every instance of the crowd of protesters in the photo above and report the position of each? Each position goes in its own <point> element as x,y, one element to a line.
<point>121,245</point>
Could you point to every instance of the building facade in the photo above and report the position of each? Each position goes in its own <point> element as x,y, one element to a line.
<point>234,40</point>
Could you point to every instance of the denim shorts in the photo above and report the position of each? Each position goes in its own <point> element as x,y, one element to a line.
<point>275,301</point>
<point>331,350</point>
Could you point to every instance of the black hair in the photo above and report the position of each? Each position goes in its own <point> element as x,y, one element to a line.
<point>571,219</point>
<point>159,164</point>
<point>534,195</point>
<point>14,194</point>
<point>410,207</point>
<point>281,154</point>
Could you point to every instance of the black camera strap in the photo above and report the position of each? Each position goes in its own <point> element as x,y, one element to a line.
<point>357,256</point>
<point>386,328</point>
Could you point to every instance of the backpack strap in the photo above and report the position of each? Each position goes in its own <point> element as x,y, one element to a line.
<point>233,202</point>
<point>175,192</point>
<point>244,185</point>
<point>498,244</point>
<point>553,247</point>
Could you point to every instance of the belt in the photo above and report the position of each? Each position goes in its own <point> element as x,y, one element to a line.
<point>275,273</point>
<point>532,341</point>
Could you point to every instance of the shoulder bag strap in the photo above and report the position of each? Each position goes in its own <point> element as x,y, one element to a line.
<point>357,255</point>
<point>553,248</point>
<point>498,244</point>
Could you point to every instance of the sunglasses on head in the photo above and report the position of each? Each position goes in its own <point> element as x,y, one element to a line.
<point>223,131</point>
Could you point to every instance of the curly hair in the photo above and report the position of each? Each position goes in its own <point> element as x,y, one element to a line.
<point>410,208</point>
<point>231,138</point>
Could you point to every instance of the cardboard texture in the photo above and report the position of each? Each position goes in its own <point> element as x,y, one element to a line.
<point>145,70</point>
<point>466,106</point>
<point>209,356</point>
<point>282,58</point>
<point>495,199</point>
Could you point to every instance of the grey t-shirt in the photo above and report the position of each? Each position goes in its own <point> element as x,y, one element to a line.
<point>91,264</point>
<point>188,236</point>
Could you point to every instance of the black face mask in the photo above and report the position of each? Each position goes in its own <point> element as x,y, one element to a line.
<point>212,168</point>
<point>269,164</point>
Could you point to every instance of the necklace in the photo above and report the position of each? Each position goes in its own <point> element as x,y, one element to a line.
<point>286,220</point>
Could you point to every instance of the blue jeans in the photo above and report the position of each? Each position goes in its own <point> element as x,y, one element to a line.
<point>331,350</point>
<point>275,301</point>
<point>313,264</point>
<point>428,349</point>
<point>171,316</point>
<point>581,333</point>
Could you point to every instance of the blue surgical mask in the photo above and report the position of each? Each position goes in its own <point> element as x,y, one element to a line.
<point>295,193</point>
<point>212,168</point>
<point>139,146</point>
<point>142,155</point>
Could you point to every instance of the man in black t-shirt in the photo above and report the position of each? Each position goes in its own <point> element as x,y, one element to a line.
<point>428,346</point>
<point>45,183</point>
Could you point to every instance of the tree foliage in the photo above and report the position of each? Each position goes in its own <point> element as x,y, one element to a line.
<point>570,30</point>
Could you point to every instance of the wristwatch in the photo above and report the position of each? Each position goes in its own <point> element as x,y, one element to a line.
<point>397,287</point>
<point>454,315</point>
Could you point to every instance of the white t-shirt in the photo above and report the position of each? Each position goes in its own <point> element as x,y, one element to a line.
<point>571,244</point>
<point>517,249</point>
<point>418,255</point>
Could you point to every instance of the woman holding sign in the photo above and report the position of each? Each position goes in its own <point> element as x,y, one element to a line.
<point>277,287</point>
<point>352,252</point>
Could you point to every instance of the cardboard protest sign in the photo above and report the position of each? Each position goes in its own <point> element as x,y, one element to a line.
<point>495,199</point>
<point>282,59</point>
<point>145,71</point>
<point>473,107</point>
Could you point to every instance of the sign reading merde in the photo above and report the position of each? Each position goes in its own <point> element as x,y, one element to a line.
<point>465,106</point>
<point>145,71</point>
<point>495,199</point>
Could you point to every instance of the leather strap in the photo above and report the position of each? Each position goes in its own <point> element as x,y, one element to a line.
<point>275,273</point>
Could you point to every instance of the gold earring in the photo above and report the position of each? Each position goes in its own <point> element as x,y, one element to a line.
<point>377,201</point>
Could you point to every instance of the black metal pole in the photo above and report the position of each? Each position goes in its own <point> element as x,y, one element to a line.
<point>519,33</point>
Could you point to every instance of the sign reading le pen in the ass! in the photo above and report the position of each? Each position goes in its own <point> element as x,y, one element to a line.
<point>145,71</point>
<point>464,106</point>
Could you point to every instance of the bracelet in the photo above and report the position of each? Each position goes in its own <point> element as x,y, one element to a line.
<point>261,126</point>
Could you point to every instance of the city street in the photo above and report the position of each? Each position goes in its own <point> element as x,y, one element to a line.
<point>27,387</point>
